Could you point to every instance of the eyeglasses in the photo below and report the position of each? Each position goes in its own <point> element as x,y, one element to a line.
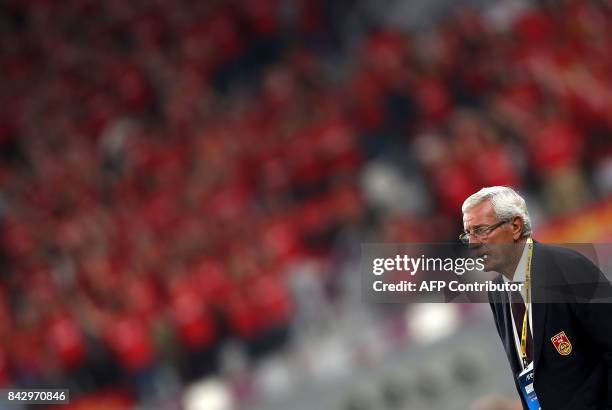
<point>480,232</point>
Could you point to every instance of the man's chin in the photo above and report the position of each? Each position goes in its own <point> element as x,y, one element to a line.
<point>490,267</point>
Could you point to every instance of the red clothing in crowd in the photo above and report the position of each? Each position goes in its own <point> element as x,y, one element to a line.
<point>131,341</point>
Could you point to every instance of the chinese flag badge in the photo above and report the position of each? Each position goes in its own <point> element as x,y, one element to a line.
<point>562,343</point>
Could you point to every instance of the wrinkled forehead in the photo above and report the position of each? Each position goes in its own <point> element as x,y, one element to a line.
<point>481,214</point>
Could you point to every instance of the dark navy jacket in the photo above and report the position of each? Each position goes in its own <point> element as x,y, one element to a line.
<point>581,380</point>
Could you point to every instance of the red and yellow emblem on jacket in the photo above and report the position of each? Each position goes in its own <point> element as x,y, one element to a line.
<point>562,343</point>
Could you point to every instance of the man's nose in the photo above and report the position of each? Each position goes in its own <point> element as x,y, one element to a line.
<point>475,242</point>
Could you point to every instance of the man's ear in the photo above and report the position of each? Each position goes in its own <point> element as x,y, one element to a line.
<point>516,225</point>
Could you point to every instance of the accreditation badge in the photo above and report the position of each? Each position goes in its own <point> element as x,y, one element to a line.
<point>525,381</point>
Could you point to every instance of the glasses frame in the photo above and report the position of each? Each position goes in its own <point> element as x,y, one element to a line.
<point>484,231</point>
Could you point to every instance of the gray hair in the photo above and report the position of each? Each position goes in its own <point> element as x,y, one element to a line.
<point>507,204</point>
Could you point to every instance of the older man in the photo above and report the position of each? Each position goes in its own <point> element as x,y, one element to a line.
<point>560,353</point>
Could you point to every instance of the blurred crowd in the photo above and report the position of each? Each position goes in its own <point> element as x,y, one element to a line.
<point>164,166</point>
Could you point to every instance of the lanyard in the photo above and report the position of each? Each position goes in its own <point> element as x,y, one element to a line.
<point>528,304</point>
